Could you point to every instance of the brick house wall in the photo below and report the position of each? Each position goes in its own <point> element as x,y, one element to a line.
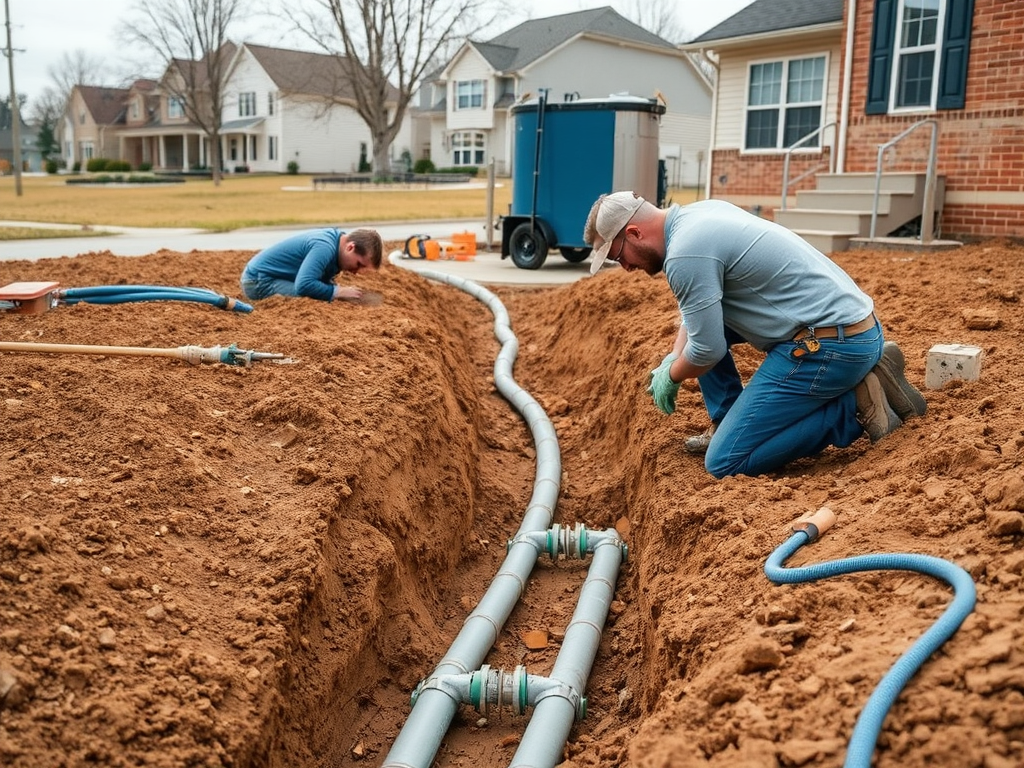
<point>759,178</point>
<point>980,147</point>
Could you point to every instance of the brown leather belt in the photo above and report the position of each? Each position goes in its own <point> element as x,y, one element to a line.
<point>832,331</point>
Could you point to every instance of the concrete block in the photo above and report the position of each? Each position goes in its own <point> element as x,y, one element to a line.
<point>947,362</point>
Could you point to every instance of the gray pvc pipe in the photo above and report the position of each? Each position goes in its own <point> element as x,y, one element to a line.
<point>554,714</point>
<point>418,741</point>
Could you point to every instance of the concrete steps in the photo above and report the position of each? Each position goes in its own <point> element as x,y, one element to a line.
<point>838,211</point>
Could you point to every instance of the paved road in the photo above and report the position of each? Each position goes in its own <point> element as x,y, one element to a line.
<point>485,267</point>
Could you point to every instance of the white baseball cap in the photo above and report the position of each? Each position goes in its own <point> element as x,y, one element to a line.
<point>613,214</point>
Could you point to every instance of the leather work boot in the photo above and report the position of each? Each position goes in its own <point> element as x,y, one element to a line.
<point>900,393</point>
<point>873,410</point>
<point>699,443</point>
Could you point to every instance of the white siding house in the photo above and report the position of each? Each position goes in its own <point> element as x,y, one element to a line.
<point>583,55</point>
<point>286,106</point>
<point>279,106</point>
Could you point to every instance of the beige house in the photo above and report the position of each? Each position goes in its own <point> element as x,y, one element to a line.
<point>93,117</point>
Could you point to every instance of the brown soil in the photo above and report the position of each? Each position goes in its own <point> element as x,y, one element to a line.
<point>226,566</point>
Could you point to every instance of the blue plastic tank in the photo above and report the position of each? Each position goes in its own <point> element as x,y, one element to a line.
<point>567,154</point>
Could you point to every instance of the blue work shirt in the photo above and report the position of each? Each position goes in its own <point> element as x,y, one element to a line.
<point>309,259</point>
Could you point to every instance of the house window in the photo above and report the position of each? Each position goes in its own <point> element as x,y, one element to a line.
<point>272,147</point>
<point>271,102</point>
<point>175,107</point>
<point>467,148</point>
<point>86,150</point>
<point>135,109</point>
<point>919,52</point>
<point>784,102</point>
<point>247,104</point>
<point>252,148</point>
<point>914,75</point>
<point>469,94</point>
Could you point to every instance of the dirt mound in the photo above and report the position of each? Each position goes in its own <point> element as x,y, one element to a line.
<point>255,566</point>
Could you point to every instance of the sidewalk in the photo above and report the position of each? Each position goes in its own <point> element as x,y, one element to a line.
<point>485,267</point>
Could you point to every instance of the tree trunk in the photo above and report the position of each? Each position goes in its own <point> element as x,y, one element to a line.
<point>381,162</point>
<point>216,164</point>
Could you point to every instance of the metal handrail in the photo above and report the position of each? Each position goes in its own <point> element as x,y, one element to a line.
<point>928,211</point>
<point>789,151</point>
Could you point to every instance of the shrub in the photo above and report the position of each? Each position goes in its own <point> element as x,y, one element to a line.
<point>120,178</point>
<point>241,169</point>
<point>293,167</point>
<point>51,166</point>
<point>96,164</point>
<point>423,165</point>
<point>5,166</point>
<point>117,166</point>
<point>462,170</point>
<point>145,166</point>
<point>76,167</point>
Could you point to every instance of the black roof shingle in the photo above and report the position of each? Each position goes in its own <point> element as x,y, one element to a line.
<point>774,16</point>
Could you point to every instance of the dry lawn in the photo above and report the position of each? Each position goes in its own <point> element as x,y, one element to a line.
<point>239,201</point>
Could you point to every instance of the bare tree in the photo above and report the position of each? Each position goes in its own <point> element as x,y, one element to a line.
<point>659,17</point>
<point>76,68</point>
<point>192,36</point>
<point>49,106</point>
<point>384,48</point>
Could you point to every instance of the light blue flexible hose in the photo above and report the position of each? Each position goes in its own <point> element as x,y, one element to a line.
<point>121,294</point>
<point>869,724</point>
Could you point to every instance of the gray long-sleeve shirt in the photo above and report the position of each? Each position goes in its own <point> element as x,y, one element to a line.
<point>728,267</point>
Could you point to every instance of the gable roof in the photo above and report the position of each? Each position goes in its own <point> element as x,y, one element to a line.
<point>199,69</point>
<point>105,105</point>
<point>524,44</point>
<point>311,74</point>
<point>763,16</point>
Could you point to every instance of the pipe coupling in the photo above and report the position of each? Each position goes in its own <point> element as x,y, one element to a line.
<point>453,686</point>
<point>572,542</point>
<point>562,691</point>
<point>491,689</point>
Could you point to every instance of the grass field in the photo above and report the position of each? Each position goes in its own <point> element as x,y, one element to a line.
<point>239,201</point>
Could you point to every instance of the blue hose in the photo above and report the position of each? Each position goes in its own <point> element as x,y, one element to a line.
<point>869,724</point>
<point>121,294</point>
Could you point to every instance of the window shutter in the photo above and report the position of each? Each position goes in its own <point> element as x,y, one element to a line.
<point>883,37</point>
<point>956,46</point>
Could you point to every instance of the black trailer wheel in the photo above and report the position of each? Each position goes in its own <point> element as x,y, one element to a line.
<point>528,246</point>
<point>574,255</point>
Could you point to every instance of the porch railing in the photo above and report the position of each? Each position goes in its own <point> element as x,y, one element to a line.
<point>928,207</point>
<point>789,152</point>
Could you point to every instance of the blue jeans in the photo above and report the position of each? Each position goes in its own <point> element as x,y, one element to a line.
<point>792,407</point>
<point>257,287</point>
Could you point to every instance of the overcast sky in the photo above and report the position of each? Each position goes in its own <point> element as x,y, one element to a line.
<point>42,31</point>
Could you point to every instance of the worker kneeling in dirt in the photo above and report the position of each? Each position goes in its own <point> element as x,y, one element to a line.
<point>306,264</point>
<point>828,376</point>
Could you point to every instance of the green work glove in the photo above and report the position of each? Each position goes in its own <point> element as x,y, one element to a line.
<point>662,388</point>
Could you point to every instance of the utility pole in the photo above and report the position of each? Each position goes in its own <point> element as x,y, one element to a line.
<point>15,115</point>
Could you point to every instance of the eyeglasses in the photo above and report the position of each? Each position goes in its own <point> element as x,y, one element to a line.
<point>622,247</point>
